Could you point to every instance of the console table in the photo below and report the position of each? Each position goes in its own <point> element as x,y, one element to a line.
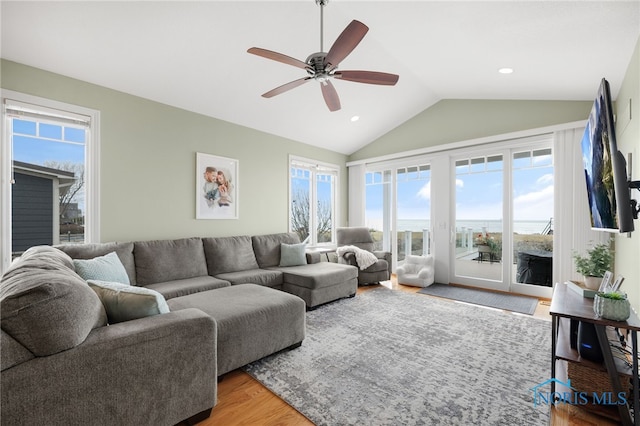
<point>567,305</point>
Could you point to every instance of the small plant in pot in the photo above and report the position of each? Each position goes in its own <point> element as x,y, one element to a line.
<point>594,264</point>
<point>612,305</point>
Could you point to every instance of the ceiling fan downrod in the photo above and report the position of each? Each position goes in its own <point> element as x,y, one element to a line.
<point>322,4</point>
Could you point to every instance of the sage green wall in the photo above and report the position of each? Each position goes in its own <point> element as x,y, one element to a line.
<point>454,120</point>
<point>147,162</point>
<point>628,137</point>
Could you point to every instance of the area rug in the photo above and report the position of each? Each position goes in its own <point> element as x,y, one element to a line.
<point>510,302</point>
<point>391,358</point>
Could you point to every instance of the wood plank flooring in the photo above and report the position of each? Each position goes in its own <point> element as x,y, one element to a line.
<point>242,400</point>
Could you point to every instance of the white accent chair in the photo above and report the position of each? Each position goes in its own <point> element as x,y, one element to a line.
<point>417,271</point>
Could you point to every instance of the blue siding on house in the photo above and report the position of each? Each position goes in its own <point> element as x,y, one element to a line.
<point>32,212</point>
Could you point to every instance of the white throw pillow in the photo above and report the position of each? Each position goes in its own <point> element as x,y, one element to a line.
<point>293,254</point>
<point>103,268</point>
<point>126,302</point>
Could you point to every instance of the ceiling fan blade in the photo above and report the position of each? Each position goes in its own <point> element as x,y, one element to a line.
<point>275,56</point>
<point>345,43</point>
<point>370,77</point>
<point>330,96</point>
<point>286,87</point>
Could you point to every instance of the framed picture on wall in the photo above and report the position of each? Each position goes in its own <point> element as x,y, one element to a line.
<point>216,187</point>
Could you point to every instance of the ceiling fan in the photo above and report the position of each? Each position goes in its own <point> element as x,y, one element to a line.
<point>321,66</point>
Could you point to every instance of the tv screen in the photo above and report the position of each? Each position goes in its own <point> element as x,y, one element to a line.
<point>605,168</point>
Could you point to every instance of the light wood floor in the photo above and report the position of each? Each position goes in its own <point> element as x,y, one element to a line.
<point>242,400</point>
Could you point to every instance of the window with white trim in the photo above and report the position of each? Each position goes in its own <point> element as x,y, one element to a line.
<point>313,195</point>
<point>49,181</point>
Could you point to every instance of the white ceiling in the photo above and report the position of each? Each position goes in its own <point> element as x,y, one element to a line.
<point>192,55</point>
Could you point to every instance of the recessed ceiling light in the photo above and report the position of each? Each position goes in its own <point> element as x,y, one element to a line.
<point>355,118</point>
<point>505,70</point>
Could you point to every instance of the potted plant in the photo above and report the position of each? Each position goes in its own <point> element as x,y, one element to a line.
<point>612,305</point>
<point>594,264</point>
<point>488,244</point>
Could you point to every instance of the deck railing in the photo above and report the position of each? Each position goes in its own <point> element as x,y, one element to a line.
<point>414,242</point>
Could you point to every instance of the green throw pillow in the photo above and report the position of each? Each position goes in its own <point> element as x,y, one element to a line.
<point>293,254</point>
<point>103,268</point>
<point>126,302</point>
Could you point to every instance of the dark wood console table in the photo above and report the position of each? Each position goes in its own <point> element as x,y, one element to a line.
<point>567,305</point>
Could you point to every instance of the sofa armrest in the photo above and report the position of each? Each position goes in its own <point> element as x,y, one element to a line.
<point>155,370</point>
<point>426,273</point>
<point>386,255</point>
<point>349,258</point>
<point>313,257</point>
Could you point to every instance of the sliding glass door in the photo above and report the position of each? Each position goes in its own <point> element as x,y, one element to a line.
<point>502,211</point>
<point>479,225</point>
<point>532,231</point>
<point>485,213</point>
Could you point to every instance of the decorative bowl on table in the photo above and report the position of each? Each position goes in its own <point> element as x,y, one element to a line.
<point>612,305</point>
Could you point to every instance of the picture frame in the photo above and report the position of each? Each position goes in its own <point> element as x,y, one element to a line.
<point>606,280</point>
<point>617,283</point>
<point>216,187</point>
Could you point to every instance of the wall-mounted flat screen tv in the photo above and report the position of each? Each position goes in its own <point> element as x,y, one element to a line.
<point>605,168</point>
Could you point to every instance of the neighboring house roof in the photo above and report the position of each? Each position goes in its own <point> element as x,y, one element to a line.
<point>65,178</point>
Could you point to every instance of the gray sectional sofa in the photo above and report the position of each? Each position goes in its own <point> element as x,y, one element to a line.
<point>64,362</point>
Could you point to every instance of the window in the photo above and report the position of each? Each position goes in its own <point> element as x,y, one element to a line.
<point>378,207</point>
<point>49,174</point>
<point>413,210</point>
<point>313,195</point>
<point>398,208</point>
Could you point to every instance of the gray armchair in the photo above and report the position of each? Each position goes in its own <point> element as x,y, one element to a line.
<point>361,238</point>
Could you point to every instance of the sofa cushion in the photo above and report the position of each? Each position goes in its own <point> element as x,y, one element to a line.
<point>47,307</point>
<point>167,260</point>
<point>229,254</point>
<point>293,254</point>
<point>91,250</point>
<point>267,247</point>
<point>104,268</point>
<point>253,321</point>
<point>318,275</point>
<point>265,277</point>
<point>177,288</point>
<point>125,302</point>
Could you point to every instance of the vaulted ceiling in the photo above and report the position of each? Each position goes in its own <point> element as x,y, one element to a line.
<point>193,55</point>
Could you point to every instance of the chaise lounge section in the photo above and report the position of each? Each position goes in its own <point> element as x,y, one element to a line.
<point>257,259</point>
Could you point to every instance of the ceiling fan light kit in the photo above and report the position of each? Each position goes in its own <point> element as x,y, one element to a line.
<point>321,66</point>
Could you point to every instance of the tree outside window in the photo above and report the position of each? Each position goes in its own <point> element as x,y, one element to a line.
<point>312,209</point>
